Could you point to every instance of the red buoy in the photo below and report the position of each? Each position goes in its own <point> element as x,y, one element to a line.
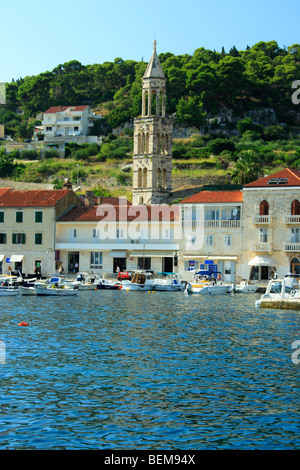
<point>23,323</point>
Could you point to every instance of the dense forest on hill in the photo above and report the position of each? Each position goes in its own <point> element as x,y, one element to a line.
<point>199,88</point>
<point>260,76</point>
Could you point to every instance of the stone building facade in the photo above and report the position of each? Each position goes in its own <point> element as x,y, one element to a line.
<point>271,226</point>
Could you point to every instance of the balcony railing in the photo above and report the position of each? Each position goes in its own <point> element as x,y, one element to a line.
<point>261,246</point>
<point>292,219</point>
<point>113,241</point>
<point>211,223</point>
<point>261,219</point>
<point>291,246</point>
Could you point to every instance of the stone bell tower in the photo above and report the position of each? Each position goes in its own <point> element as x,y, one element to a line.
<point>152,152</point>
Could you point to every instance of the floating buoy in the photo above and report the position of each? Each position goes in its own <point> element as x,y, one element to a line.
<point>149,292</point>
<point>153,292</point>
<point>23,323</point>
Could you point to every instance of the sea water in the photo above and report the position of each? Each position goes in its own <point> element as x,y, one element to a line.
<point>139,370</point>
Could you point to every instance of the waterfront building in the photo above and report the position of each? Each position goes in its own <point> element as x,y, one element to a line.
<point>99,238</point>
<point>212,233</point>
<point>271,226</point>
<point>152,152</point>
<point>27,228</point>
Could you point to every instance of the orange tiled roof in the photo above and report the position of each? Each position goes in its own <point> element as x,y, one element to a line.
<point>211,197</point>
<point>286,177</point>
<point>32,198</point>
<point>57,109</point>
<point>128,213</point>
<point>3,191</point>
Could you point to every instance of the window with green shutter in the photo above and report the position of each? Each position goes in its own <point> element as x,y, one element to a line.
<point>38,238</point>
<point>38,217</point>
<point>2,238</point>
<point>1,216</point>
<point>18,238</point>
<point>19,216</point>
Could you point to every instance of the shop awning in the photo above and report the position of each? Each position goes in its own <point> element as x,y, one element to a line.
<point>213,258</point>
<point>15,258</point>
<point>118,254</point>
<point>152,254</point>
<point>1,257</point>
<point>262,261</point>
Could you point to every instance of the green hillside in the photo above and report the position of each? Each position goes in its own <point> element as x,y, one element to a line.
<point>233,113</point>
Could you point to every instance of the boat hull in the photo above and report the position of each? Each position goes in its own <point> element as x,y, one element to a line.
<point>207,289</point>
<point>55,291</point>
<point>27,290</point>
<point>8,292</point>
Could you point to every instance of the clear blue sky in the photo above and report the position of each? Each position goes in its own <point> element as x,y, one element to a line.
<point>37,36</point>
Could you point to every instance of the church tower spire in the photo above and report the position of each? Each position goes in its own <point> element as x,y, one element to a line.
<point>152,153</point>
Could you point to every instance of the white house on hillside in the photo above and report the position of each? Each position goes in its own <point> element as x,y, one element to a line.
<point>67,121</point>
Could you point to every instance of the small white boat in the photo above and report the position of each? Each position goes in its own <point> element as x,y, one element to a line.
<point>27,290</point>
<point>244,287</point>
<point>207,286</point>
<point>281,293</point>
<point>56,290</point>
<point>141,281</point>
<point>8,290</point>
<point>87,281</point>
<point>109,281</point>
<point>169,282</point>
<point>57,280</point>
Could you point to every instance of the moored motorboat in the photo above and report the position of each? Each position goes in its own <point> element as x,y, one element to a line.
<point>87,281</point>
<point>141,281</point>
<point>8,290</point>
<point>281,293</point>
<point>244,287</point>
<point>207,286</point>
<point>58,281</point>
<point>109,282</point>
<point>56,290</point>
<point>27,290</point>
<point>169,282</point>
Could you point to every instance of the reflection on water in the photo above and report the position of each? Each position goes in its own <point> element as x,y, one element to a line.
<point>132,370</point>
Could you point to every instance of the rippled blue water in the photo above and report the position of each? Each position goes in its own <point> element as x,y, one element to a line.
<point>126,370</point>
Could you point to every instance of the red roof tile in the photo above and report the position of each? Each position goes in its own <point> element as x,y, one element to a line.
<point>32,198</point>
<point>3,191</point>
<point>128,213</point>
<point>57,109</point>
<point>211,197</point>
<point>287,176</point>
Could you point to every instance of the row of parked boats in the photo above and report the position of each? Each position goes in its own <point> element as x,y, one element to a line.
<point>134,281</point>
<point>280,293</point>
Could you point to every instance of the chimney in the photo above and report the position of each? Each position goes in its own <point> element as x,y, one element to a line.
<point>89,198</point>
<point>67,184</point>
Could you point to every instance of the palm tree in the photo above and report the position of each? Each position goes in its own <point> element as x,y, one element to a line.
<point>247,167</point>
